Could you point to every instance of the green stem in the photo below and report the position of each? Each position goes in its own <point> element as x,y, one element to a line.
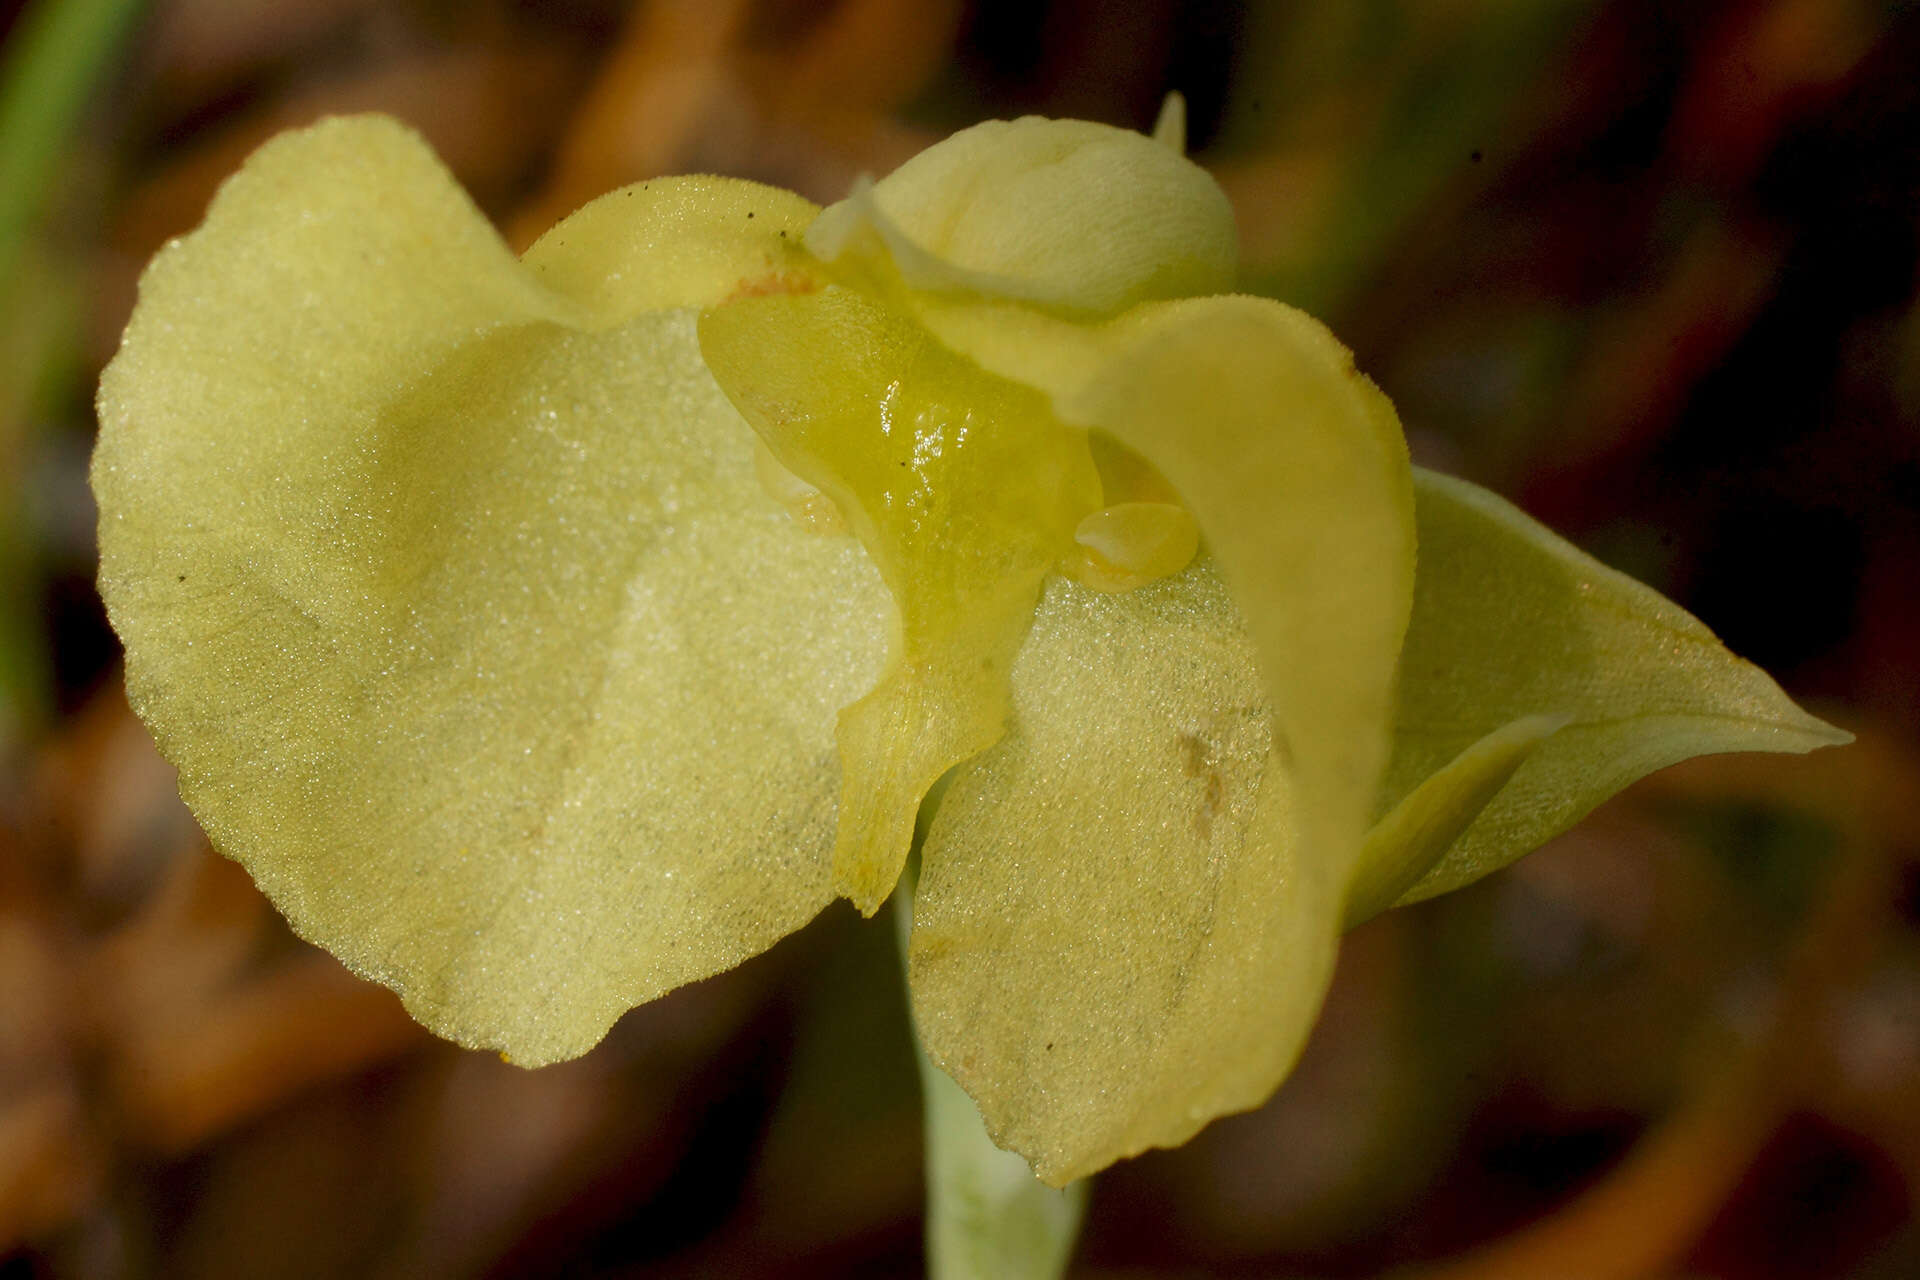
<point>988,1217</point>
<point>53,61</point>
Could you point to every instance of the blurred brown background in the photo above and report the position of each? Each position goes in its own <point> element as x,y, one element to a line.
<point>1648,268</point>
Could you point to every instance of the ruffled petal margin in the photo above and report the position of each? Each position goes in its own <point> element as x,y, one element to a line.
<point>446,584</point>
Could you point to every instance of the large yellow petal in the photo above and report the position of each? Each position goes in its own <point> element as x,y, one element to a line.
<point>1128,909</point>
<point>1294,465</point>
<point>456,604</point>
<point>1092,887</point>
<point>1292,462</point>
<point>1511,621</point>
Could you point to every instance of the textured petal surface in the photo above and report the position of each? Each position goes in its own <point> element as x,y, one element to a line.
<point>1128,909</point>
<point>1294,466</point>
<point>1078,878</point>
<point>965,489</point>
<point>469,630</point>
<point>1061,213</point>
<point>676,242</point>
<point>1511,621</point>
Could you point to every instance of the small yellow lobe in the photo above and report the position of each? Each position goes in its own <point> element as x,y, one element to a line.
<point>1128,545</point>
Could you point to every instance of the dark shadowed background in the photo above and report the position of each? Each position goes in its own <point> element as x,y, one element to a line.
<point>1648,268</point>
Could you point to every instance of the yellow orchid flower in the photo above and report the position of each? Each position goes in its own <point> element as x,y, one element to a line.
<point>546,633</point>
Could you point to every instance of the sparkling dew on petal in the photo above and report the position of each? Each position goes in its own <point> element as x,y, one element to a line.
<point>1130,544</point>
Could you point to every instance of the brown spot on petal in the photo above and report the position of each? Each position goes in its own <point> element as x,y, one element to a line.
<point>1197,757</point>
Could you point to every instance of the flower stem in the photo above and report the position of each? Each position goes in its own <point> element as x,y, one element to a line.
<point>52,63</point>
<point>988,1217</point>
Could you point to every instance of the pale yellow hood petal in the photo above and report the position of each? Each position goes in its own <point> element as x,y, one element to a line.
<point>1065,214</point>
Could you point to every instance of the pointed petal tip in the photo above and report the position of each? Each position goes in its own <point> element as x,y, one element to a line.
<point>1170,128</point>
<point>1821,733</point>
<point>1509,617</point>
